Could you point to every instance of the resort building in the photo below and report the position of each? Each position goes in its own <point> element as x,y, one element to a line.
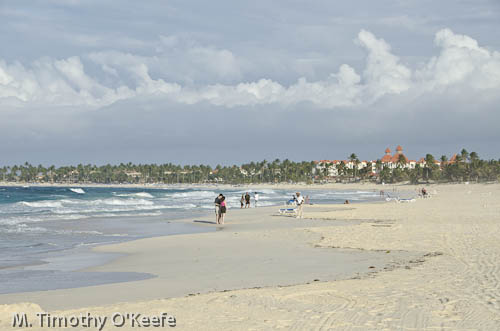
<point>333,168</point>
<point>397,160</point>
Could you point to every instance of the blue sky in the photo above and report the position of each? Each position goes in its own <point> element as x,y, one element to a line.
<point>232,81</point>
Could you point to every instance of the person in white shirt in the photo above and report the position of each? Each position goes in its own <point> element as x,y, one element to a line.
<point>300,204</point>
<point>256,198</point>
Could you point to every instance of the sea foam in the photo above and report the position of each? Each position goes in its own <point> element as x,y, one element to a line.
<point>77,190</point>
<point>42,204</point>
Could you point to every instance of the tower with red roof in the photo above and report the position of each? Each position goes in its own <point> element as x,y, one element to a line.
<point>387,157</point>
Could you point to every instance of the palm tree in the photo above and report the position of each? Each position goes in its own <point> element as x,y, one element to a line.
<point>474,169</point>
<point>326,168</point>
<point>443,160</point>
<point>464,154</point>
<point>341,169</point>
<point>401,161</point>
<point>354,159</point>
<point>378,165</point>
<point>429,165</point>
<point>474,165</point>
<point>385,174</point>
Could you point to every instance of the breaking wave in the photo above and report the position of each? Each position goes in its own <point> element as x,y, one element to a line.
<point>77,190</point>
<point>197,195</point>
<point>123,202</point>
<point>42,204</point>
<point>139,194</point>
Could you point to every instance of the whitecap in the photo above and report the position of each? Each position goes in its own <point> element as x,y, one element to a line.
<point>77,190</point>
<point>139,194</point>
<point>122,202</point>
<point>23,228</point>
<point>42,204</point>
<point>180,206</point>
<point>193,195</point>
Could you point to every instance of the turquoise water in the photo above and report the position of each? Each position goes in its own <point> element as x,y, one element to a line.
<point>42,225</point>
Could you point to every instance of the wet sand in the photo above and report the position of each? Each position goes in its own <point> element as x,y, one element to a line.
<point>254,249</point>
<point>442,273</point>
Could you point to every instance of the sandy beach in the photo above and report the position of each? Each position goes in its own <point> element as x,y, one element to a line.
<point>426,265</point>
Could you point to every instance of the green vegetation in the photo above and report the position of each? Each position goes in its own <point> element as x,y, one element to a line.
<point>465,167</point>
<point>254,172</point>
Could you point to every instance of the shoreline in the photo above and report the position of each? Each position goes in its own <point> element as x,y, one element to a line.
<point>449,281</point>
<point>132,252</point>
<point>78,260</point>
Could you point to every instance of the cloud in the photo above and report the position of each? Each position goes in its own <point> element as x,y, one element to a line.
<point>383,74</point>
<point>461,61</point>
<point>180,69</point>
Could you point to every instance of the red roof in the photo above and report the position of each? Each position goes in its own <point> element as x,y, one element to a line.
<point>399,148</point>
<point>387,150</point>
<point>395,158</point>
<point>386,158</point>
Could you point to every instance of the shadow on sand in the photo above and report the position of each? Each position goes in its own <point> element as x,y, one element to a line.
<point>206,222</point>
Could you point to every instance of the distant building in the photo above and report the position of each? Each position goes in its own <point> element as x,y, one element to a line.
<point>330,168</point>
<point>133,174</point>
<point>331,165</point>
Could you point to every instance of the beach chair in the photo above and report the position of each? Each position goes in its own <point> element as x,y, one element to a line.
<point>405,200</point>
<point>288,211</point>
<point>389,198</point>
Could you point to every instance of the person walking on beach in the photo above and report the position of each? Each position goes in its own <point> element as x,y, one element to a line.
<point>300,205</point>
<point>222,212</point>
<point>242,201</point>
<point>247,200</point>
<point>217,207</point>
<point>256,198</point>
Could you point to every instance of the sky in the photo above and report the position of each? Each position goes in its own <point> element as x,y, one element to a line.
<point>227,82</point>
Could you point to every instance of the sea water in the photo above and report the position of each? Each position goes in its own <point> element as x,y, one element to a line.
<point>45,232</point>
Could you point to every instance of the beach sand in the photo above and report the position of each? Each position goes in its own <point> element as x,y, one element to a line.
<point>427,265</point>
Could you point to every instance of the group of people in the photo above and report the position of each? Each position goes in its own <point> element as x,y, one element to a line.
<point>245,200</point>
<point>220,208</point>
<point>221,205</point>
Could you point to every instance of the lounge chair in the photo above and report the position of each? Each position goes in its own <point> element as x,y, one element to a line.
<point>288,211</point>
<point>405,200</point>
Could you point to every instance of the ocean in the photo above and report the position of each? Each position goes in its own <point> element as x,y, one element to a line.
<point>46,232</point>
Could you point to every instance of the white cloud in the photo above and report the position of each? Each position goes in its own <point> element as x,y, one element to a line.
<point>383,74</point>
<point>56,82</point>
<point>176,70</point>
<point>461,60</point>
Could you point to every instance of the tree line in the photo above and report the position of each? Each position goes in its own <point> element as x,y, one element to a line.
<point>465,167</point>
<point>253,172</point>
